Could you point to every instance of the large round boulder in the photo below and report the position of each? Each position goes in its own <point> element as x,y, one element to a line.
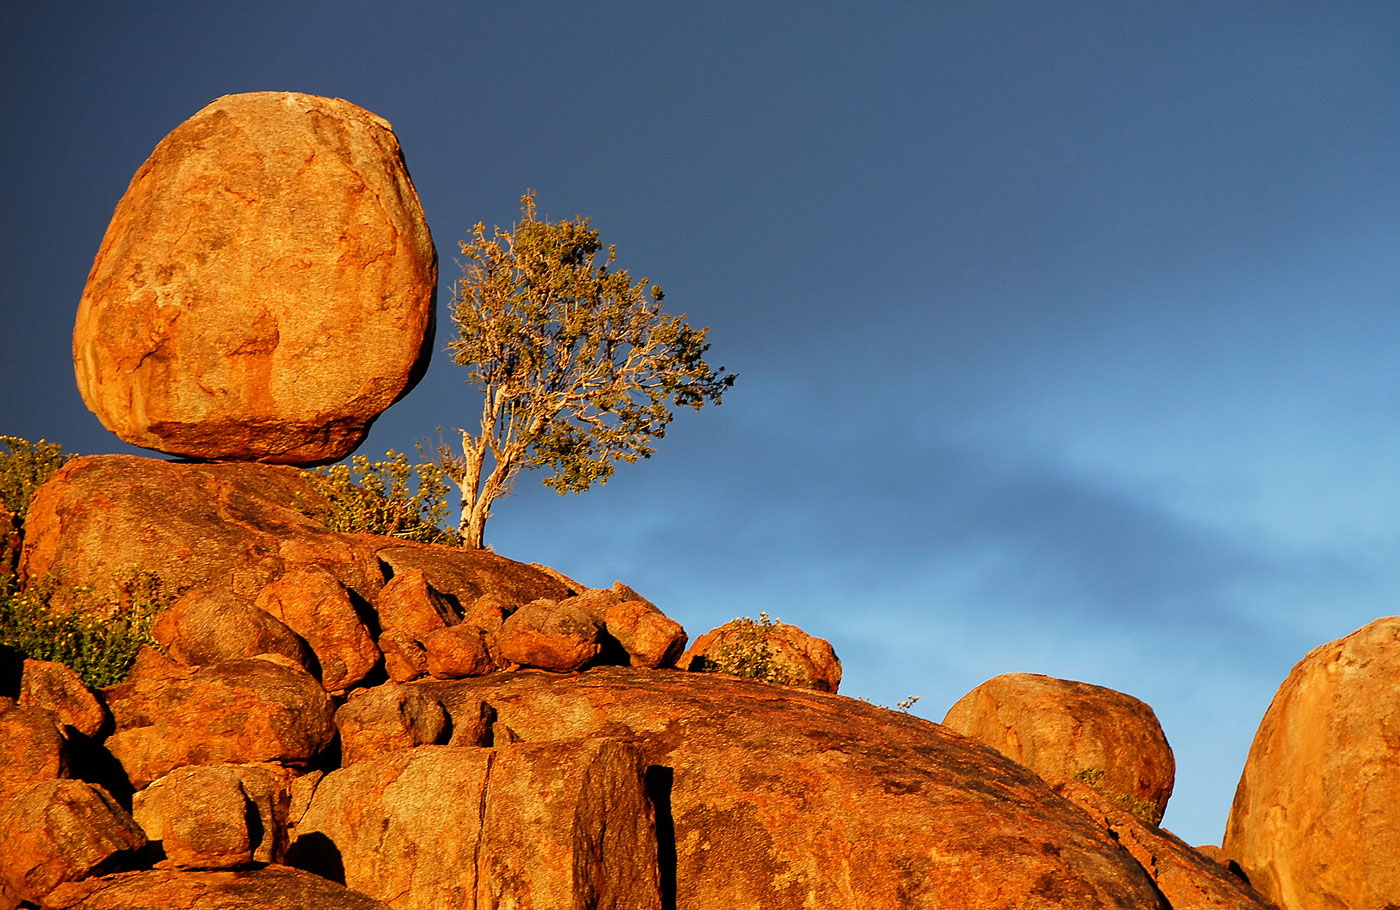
<point>1063,730</point>
<point>265,288</point>
<point>1315,820</point>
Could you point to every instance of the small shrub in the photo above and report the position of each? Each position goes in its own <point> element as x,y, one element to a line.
<point>390,497</point>
<point>97,638</point>
<point>748,654</point>
<point>24,467</point>
<point>1146,810</point>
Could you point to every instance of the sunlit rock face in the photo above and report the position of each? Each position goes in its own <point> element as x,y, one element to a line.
<point>265,288</point>
<point>1314,818</point>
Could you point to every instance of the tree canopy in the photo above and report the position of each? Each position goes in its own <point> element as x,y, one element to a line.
<point>577,364</point>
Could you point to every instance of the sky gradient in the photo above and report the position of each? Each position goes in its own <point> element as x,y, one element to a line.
<point>1065,332</point>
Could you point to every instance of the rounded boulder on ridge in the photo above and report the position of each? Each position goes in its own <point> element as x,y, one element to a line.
<point>265,288</point>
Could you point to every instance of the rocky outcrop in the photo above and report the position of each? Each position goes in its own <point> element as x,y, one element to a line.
<point>638,634</point>
<point>550,635</point>
<point>1313,821</point>
<point>239,711</point>
<point>774,651</point>
<point>388,718</point>
<point>265,288</point>
<point>1060,728</point>
<point>237,527</point>
<point>270,888</point>
<point>59,831</point>
<point>784,798</point>
<point>564,825</point>
<point>199,817</point>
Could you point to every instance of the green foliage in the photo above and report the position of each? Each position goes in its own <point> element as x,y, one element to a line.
<point>577,363</point>
<point>389,497</point>
<point>24,466</point>
<point>1146,810</point>
<point>98,639</point>
<point>748,654</point>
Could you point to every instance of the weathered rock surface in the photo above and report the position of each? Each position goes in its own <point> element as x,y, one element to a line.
<point>1313,822</point>
<point>560,825</point>
<point>645,636</point>
<point>409,604</point>
<point>54,688</point>
<point>457,651</point>
<point>782,798</point>
<point>58,831</point>
<point>270,888</point>
<point>1058,728</point>
<point>32,749</point>
<point>266,286</point>
<point>236,712</point>
<point>1189,879</point>
<point>388,718</point>
<point>211,626</point>
<point>405,658</point>
<point>550,635</point>
<point>316,606</point>
<point>802,660</point>
<point>199,815</point>
<point>232,526</point>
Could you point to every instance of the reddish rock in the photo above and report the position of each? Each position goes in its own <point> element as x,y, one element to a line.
<point>405,658</point>
<point>488,613</point>
<point>466,575</point>
<point>774,651</point>
<point>564,825</point>
<point>270,888</point>
<point>59,831</point>
<point>648,638</point>
<point>231,526</point>
<point>1059,728</point>
<point>386,719</point>
<point>318,608</point>
<point>199,815</point>
<point>236,712</point>
<point>211,626</point>
<point>1188,879</point>
<point>788,798</point>
<point>31,748</point>
<point>550,636</point>
<point>1314,817</point>
<point>54,688</point>
<point>458,651</point>
<point>265,288</point>
<point>410,605</point>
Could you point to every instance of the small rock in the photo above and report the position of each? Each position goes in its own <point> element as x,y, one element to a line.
<point>199,815</point>
<point>410,605</point>
<point>550,635</point>
<point>59,831</point>
<point>318,608</point>
<point>648,637</point>
<point>456,652</point>
<point>385,719</point>
<point>55,688</point>
<point>32,749</point>
<point>773,651</point>
<point>213,625</point>
<point>1060,728</point>
<point>236,712</point>
<point>405,659</point>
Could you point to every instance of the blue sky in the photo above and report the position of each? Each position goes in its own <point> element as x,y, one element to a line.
<point>1065,331</point>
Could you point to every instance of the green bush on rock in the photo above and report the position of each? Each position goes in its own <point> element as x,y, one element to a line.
<point>24,466</point>
<point>389,497</point>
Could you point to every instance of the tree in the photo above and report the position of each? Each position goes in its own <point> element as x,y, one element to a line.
<point>577,364</point>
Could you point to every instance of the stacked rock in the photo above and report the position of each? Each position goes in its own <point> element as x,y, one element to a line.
<point>266,287</point>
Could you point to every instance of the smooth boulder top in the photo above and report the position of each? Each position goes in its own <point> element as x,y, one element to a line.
<point>265,289</point>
